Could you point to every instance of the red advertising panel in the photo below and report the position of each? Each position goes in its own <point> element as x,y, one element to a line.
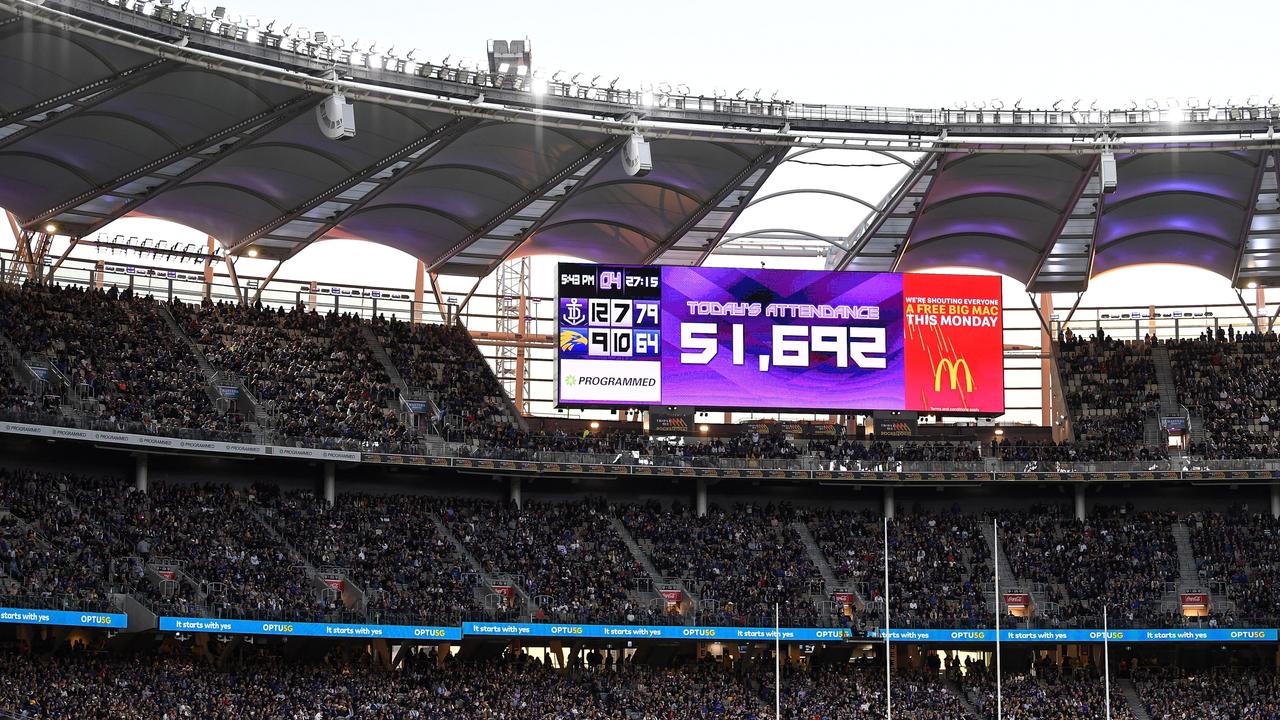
<point>954,343</point>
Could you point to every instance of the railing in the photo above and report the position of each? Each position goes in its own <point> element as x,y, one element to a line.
<point>321,50</point>
<point>634,461</point>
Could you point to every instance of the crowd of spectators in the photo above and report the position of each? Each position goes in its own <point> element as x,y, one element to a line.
<point>388,547</point>
<point>1119,557</point>
<point>1049,692</point>
<point>740,561</point>
<point>882,455</point>
<point>116,351</point>
<point>566,556</point>
<point>939,564</point>
<point>1110,388</point>
<point>225,562</point>
<point>1236,553</point>
<point>1231,381</point>
<point>444,361</point>
<point>855,691</point>
<point>50,555</point>
<point>1225,694</point>
<point>160,686</point>
<point>316,374</point>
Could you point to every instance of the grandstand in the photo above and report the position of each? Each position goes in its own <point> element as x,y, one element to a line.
<point>231,493</point>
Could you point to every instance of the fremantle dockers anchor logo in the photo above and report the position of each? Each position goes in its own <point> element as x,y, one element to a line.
<point>573,314</point>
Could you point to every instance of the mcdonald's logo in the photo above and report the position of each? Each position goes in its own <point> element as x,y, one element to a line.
<point>953,369</point>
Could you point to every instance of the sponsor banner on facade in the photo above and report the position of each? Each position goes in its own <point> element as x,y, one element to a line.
<point>672,596</point>
<point>155,441</point>
<point>308,629</point>
<point>658,632</point>
<point>640,632</point>
<point>1017,600</point>
<point>844,598</point>
<point>66,618</point>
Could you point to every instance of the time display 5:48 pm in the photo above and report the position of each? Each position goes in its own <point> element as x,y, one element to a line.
<point>789,346</point>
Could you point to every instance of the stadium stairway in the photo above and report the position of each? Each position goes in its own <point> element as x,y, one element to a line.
<point>316,576</point>
<point>489,580</point>
<point>659,582</point>
<point>954,688</point>
<point>1165,384</point>
<point>397,380</point>
<point>213,378</point>
<point>830,581</point>
<point>1188,572</point>
<point>1132,698</point>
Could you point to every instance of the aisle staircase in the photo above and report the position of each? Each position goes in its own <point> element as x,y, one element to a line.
<point>490,581</point>
<point>1132,698</point>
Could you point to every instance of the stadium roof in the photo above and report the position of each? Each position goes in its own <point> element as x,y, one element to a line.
<point>110,109</point>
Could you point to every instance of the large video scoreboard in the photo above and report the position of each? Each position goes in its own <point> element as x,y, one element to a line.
<point>734,338</point>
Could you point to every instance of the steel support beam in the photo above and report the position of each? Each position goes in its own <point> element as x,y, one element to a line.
<point>456,129</point>
<point>235,280</point>
<point>113,185</point>
<point>280,116</point>
<point>714,243</point>
<point>62,258</point>
<point>555,207</point>
<point>597,151</point>
<point>446,130</point>
<point>462,306</point>
<point>113,87</point>
<point>1077,192</point>
<point>41,106</point>
<point>886,208</point>
<point>1247,223</point>
<point>257,295</point>
<point>762,160</point>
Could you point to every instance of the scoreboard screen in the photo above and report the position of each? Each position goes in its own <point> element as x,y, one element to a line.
<point>729,338</point>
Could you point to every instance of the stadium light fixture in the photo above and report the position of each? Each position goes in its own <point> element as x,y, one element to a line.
<point>50,229</point>
<point>595,425</point>
<point>538,86</point>
<point>1252,285</point>
<point>999,431</point>
<point>253,252</point>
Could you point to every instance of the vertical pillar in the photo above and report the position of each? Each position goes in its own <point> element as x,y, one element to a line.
<point>208,268</point>
<point>1046,361</point>
<point>330,483</point>
<point>517,491</point>
<point>140,472</point>
<point>419,282</point>
<point>519,398</point>
<point>1260,309</point>
<point>701,498</point>
<point>1080,512</point>
<point>888,501</point>
<point>1151,320</point>
<point>99,274</point>
<point>1275,500</point>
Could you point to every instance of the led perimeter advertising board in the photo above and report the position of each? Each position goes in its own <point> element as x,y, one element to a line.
<point>743,338</point>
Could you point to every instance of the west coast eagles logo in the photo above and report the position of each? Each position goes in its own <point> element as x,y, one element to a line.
<point>571,340</point>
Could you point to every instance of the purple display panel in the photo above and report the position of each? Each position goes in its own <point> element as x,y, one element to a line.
<point>786,354</point>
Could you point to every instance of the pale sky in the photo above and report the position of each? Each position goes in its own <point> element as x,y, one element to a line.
<point>923,54</point>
